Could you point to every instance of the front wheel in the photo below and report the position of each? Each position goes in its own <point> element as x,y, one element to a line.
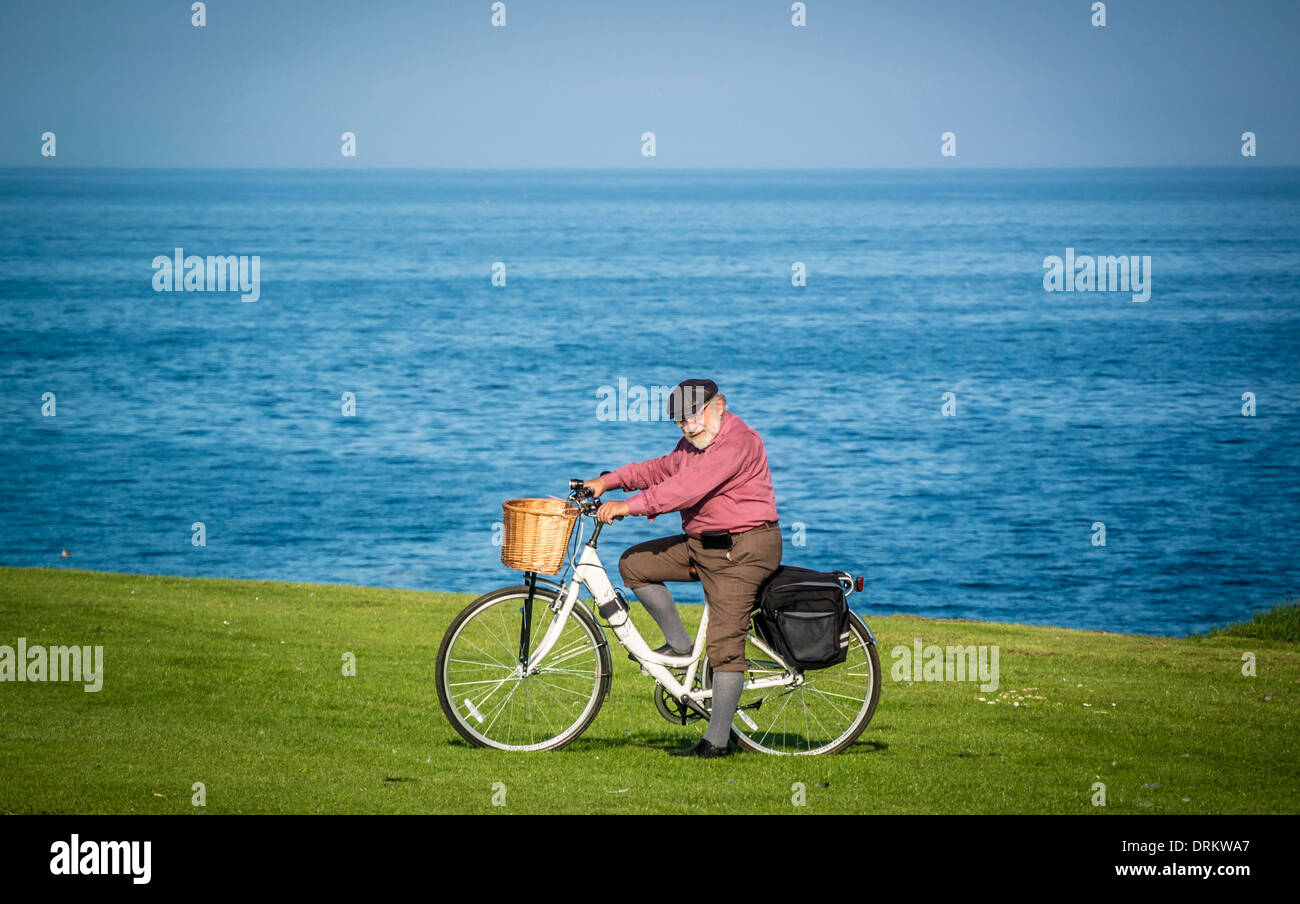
<point>482,684</point>
<point>824,714</point>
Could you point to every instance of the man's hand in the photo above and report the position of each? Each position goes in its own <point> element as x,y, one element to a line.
<point>612,510</point>
<point>596,486</point>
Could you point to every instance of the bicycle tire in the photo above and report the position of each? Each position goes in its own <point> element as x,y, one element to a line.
<point>862,653</point>
<point>583,639</point>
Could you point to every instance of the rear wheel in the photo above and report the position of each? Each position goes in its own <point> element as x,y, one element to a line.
<point>823,714</point>
<point>488,695</point>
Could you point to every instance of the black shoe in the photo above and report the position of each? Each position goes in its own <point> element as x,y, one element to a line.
<point>704,750</point>
<point>665,650</point>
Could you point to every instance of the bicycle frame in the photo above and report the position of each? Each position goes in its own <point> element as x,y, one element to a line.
<point>589,572</point>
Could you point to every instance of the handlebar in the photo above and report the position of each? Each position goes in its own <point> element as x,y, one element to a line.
<point>582,496</point>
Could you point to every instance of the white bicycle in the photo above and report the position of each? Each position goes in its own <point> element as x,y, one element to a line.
<point>527,668</point>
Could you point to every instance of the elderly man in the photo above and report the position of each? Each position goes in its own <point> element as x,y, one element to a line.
<point>717,477</point>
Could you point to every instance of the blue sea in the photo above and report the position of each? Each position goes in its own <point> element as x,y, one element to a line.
<point>1068,410</point>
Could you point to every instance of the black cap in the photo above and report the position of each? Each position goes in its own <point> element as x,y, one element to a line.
<point>689,397</point>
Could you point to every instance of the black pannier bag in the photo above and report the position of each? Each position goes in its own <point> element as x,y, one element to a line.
<point>804,616</point>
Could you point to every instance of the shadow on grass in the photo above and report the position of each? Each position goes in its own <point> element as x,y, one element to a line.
<point>671,742</point>
<point>664,742</point>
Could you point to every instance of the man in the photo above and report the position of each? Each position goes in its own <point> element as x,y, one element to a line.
<point>717,477</point>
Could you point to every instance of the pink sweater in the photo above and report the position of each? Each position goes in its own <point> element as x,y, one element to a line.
<point>724,487</point>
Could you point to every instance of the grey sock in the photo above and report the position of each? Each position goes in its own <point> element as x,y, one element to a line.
<point>726,694</point>
<point>658,601</point>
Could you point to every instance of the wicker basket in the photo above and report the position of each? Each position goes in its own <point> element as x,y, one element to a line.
<point>537,533</point>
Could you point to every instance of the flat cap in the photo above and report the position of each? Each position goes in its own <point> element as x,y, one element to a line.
<point>689,396</point>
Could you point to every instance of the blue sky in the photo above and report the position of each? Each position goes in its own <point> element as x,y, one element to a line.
<point>722,83</point>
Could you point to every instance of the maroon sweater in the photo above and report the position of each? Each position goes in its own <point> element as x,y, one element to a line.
<point>725,487</point>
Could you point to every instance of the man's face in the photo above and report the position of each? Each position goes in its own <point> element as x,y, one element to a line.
<point>702,428</point>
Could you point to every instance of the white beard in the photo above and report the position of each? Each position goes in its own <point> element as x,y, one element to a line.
<point>703,438</point>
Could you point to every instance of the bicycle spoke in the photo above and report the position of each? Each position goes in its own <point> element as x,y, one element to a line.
<point>486,655</point>
<point>560,687</point>
<point>808,712</point>
<point>840,711</point>
<point>534,685</point>
<point>819,714</point>
<point>807,735</point>
<point>584,673</point>
<point>779,712</point>
<point>486,665</point>
<point>817,690</point>
<point>528,712</point>
<point>512,655</point>
<point>484,681</point>
<point>510,724</point>
<point>576,650</point>
<point>479,705</point>
<point>498,706</point>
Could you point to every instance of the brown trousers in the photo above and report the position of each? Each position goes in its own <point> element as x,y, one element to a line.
<point>731,578</point>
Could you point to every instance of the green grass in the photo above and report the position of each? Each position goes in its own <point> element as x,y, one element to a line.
<point>238,684</point>
<point>1281,623</point>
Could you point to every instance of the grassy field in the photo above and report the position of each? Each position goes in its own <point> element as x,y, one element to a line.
<point>239,685</point>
